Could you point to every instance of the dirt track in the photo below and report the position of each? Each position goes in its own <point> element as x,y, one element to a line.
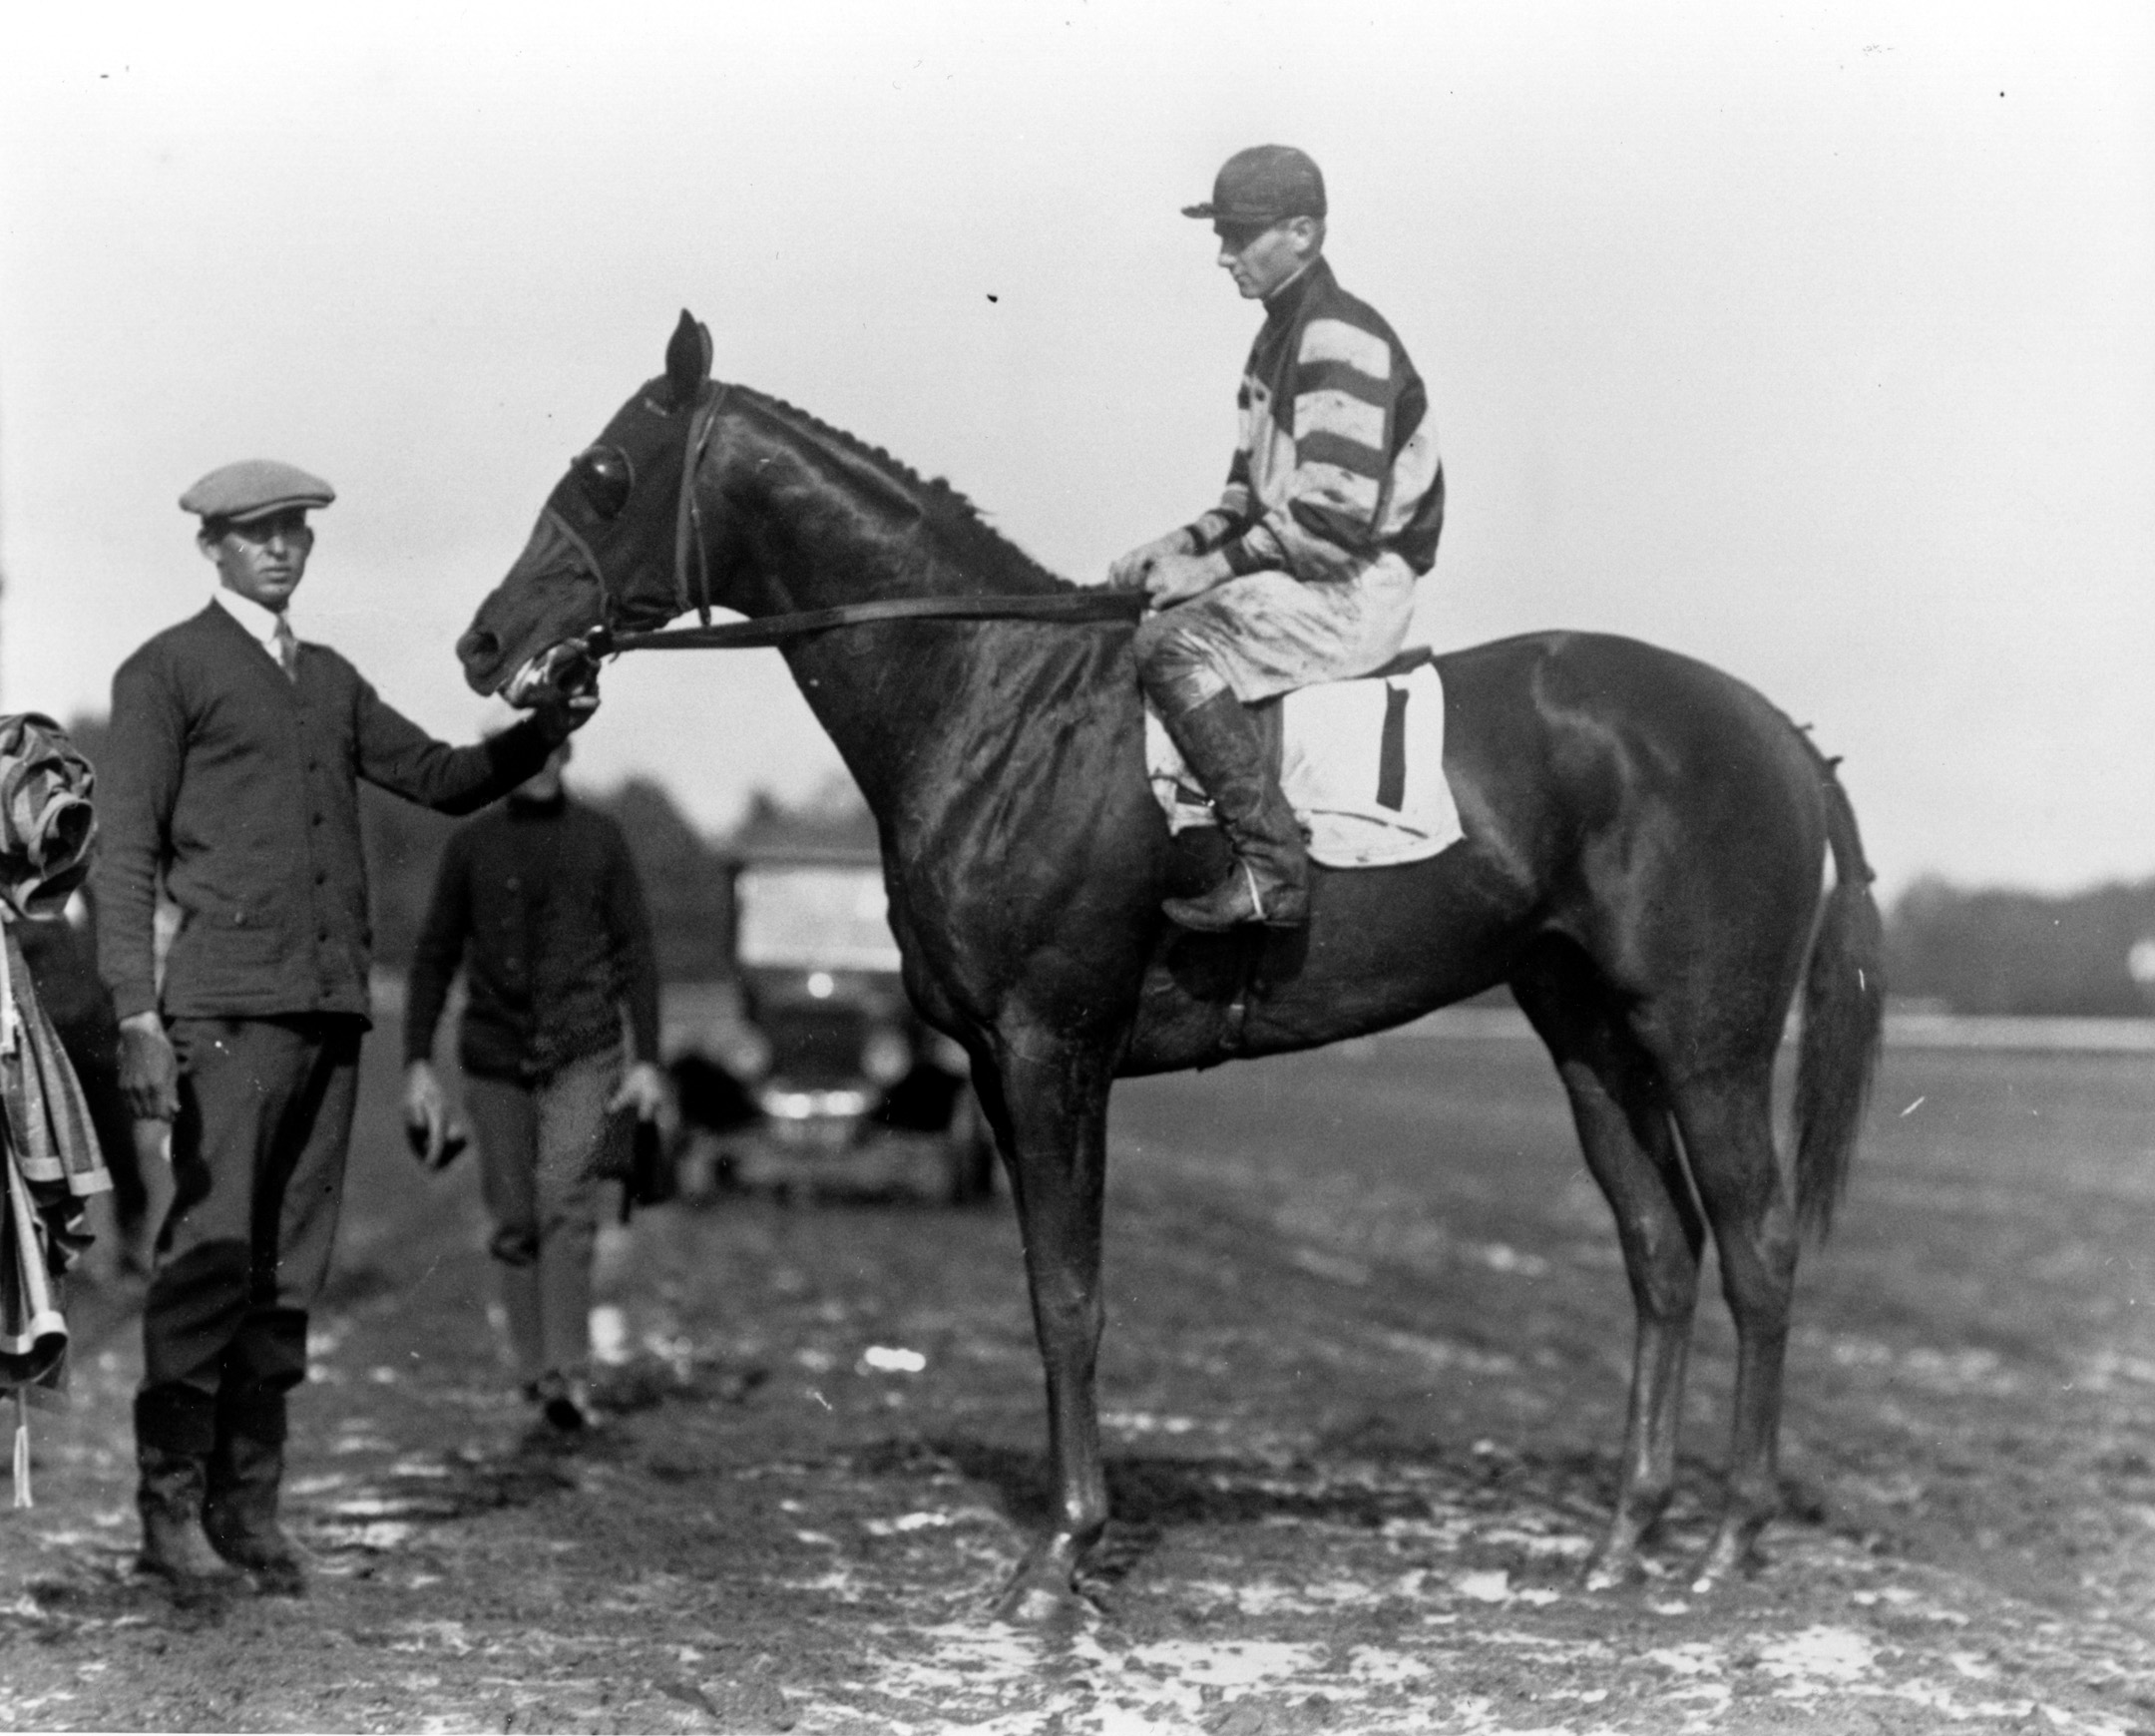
<point>1364,1380</point>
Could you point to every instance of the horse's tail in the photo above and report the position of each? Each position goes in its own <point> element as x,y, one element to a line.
<point>1842,1017</point>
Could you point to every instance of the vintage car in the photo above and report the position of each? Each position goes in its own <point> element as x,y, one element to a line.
<point>820,1077</point>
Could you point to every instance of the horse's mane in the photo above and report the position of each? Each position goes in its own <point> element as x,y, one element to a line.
<point>954,520</point>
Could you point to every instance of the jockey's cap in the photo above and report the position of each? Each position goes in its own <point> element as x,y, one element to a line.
<point>253,489</point>
<point>1263,185</point>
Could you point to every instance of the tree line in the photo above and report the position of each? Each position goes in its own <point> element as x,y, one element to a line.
<point>2005,952</point>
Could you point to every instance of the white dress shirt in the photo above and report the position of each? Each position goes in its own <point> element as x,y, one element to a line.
<point>261,623</point>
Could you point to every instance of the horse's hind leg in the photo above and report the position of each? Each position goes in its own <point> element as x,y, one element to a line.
<point>1728,1135</point>
<point>1623,1126</point>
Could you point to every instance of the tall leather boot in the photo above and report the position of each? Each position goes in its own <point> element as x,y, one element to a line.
<point>1269,882</point>
<point>175,1546</point>
<point>239,1513</point>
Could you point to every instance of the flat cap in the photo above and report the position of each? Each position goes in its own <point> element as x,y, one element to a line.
<point>1263,185</point>
<point>253,489</point>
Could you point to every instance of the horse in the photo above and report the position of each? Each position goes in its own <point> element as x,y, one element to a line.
<point>1644,864</point>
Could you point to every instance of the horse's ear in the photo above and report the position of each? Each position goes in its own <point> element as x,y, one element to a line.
<point>688,358</point>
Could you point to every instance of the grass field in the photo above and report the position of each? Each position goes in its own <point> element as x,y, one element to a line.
<point>1362,1390</point>
<point>1974,1356</point>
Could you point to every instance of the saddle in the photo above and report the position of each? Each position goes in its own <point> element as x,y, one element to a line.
<point>1360,761</point>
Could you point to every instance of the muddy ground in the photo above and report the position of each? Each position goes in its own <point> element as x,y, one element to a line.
<point>1364,1380</point>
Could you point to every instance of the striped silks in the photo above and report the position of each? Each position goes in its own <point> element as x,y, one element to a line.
<point>1336,462</point>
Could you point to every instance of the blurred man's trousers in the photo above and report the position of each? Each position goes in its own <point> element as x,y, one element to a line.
<point>538,1145</point>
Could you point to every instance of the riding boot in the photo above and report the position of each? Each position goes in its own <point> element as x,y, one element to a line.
<point>239,1513</point>
<point>1269,882</point>
<point>169,1498</point>
<point>175,1428</point>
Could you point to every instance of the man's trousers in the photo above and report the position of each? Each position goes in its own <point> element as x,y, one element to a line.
<point>1268,632</point>
<point>258,1150</point>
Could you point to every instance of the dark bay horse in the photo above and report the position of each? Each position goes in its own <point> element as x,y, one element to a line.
<point>1643,864</point>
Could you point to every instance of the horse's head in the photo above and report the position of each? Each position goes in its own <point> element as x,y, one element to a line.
<point>609,547</point>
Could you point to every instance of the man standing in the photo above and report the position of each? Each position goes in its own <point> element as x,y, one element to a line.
<point>231,775</point>
<point>539,901</point>
<point>1305,571</point>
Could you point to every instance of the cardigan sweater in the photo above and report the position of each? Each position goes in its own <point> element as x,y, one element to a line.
<point>540,903</point>
<point>239,785</point>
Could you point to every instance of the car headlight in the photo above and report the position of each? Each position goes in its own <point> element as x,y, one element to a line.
<point>886,1056</point>
<point>784,1104</point>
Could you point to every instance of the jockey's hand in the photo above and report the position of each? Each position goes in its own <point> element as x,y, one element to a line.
<point>643,1089</point>
<point>1131,570</point>
<point>1177,578</point>
<point>149,1071</point>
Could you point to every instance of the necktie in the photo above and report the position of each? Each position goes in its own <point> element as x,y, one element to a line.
<point>288,649</point>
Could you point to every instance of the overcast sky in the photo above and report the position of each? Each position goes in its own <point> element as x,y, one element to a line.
<point>1817,342</point>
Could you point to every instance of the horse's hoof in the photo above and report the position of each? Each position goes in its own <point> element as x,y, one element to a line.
<point>1729,1556</point>
<point>1612,1570</point>
<point>1036,1606</point>
<point>1044,1590</point>
<point>1616,1563</point>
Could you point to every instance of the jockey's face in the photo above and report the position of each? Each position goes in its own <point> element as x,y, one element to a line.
<point>264,559</point>
<point>1261,258</point>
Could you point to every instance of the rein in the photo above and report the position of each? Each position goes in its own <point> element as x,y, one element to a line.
<point>1079,605</point>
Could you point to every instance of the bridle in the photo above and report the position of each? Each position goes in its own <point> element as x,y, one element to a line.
<point>691,584</point>
<point>690,555</point>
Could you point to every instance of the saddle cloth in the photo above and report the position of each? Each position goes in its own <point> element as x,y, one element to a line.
<point>1361,763</point>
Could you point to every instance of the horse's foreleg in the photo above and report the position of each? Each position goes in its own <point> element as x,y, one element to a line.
<point>1623,1126</point>
<point>1051,1114</point>
<point>1728,1133</point>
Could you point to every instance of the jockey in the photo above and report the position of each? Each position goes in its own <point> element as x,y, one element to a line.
<point>1305,571</point>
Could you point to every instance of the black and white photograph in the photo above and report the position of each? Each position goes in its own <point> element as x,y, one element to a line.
<point>1215,868</point>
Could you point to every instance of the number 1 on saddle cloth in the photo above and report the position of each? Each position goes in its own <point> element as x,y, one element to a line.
<point>1361,763</point>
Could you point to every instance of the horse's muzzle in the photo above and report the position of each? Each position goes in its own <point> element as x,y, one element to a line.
<point>478,649</point>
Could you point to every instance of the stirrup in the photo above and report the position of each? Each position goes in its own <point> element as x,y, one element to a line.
<point>1204,915</point>
<point>1273,918</point>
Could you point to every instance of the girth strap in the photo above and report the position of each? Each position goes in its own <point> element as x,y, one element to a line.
<point>1069,606</point>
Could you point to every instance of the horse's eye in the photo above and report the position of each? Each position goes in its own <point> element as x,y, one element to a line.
<point>606,475</point>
